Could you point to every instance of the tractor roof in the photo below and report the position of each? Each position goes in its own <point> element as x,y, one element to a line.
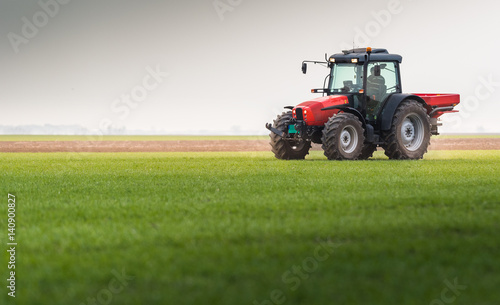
<point>361,55</point>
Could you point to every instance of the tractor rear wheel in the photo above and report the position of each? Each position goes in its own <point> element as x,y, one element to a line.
<point>287,149</point>
<point>343,137</point>
<point>410,132</point>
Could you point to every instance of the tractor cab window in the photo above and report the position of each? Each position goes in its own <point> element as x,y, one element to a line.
<point>382,81</point>
<point>346,78</point>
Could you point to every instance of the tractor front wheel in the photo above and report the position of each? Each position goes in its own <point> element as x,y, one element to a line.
<point>410,132</point>
<point>343,137</point>
<point>287,148</point>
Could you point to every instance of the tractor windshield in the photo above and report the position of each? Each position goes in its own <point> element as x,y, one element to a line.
<point>346,78</point>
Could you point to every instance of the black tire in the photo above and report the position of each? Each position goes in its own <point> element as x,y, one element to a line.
<point>410,132</point>
<point>287,149</point>
<point>343,137</point>
<point>367,151</point>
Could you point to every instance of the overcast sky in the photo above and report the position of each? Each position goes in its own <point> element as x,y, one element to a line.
<point>229,66</point>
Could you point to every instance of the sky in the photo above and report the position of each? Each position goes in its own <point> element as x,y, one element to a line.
<point>229,66</point>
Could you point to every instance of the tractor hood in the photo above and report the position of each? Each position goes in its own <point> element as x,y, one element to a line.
<point>311,110</point>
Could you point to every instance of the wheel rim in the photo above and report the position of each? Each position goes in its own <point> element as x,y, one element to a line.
<point>412,132</point>
<point>349,139</point>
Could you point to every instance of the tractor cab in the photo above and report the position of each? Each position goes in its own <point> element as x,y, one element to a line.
<point>369,78</point>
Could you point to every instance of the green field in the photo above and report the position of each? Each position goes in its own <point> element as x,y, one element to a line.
<point>245,228</point>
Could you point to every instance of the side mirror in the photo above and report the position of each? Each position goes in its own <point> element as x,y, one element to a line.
<point>376,71</point>
<point>304,68</point>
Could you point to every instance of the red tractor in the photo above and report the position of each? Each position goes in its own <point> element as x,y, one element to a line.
<point>362,108</point>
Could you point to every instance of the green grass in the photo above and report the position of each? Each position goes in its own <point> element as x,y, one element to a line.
<point>227,228</point>
<point>125,138</point>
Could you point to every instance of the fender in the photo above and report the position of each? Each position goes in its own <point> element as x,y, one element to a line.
<point>392,104</point>
<point>345,108</point>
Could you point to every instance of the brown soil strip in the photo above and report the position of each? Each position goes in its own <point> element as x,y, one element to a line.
<point>135,146</point>
<point>465,144</point>
<point>202,146</point>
